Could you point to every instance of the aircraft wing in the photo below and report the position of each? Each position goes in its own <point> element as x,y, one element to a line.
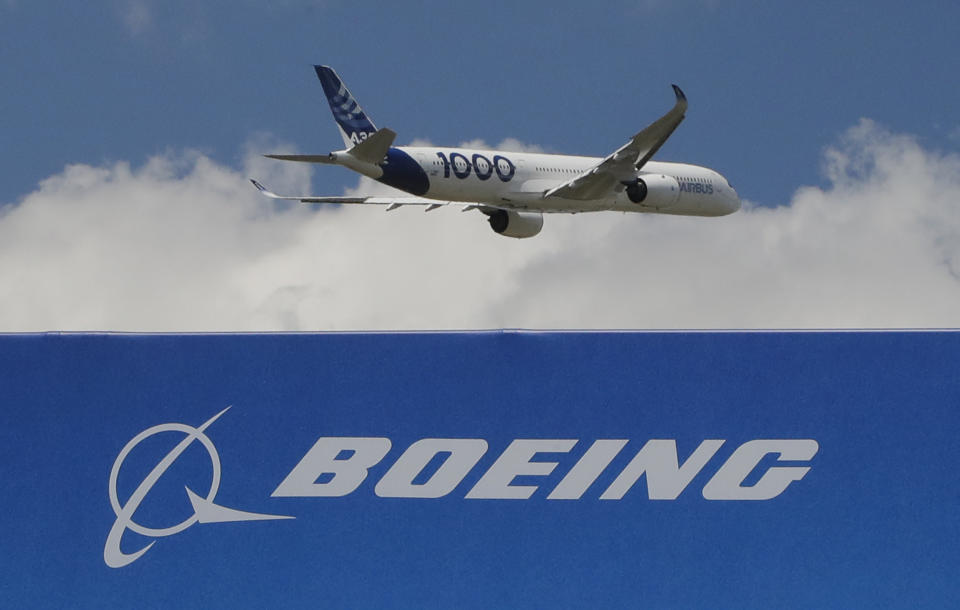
<point>372,150</point>
<point>392,203</point>
<point>328,159</point>
<point>621,166</point>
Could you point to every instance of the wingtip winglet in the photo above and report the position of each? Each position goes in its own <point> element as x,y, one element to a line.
<point>264,189</point>
<point>679,93</point>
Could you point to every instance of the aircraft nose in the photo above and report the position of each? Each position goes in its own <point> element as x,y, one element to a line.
<point>733,200</point>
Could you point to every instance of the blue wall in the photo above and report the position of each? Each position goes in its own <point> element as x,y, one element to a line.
<point>873,522</point>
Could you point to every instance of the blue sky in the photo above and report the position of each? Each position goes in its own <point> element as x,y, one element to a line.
<point>770,84</point>
<point>131,126</point>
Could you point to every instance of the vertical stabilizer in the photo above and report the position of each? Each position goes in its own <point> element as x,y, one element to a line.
<point>354,125</point>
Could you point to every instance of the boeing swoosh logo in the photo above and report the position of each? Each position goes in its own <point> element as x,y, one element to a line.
<point>204,508</point>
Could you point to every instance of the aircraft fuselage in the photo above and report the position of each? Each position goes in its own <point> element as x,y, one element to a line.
<point>518,180</point>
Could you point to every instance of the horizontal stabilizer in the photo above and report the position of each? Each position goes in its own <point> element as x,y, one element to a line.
<point>375,147</point>
<point>328,159</point>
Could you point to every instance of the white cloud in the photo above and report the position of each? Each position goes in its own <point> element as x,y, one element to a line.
<point>185,244</point>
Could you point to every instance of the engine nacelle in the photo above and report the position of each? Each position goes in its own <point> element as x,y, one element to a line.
<point>652,191</point>
<point>516,224</point>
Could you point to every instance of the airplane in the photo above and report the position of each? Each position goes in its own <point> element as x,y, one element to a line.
<point>515,189</point>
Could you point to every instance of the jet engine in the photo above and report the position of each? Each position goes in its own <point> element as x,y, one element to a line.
<point>515,224</point>
<point>653,190</point>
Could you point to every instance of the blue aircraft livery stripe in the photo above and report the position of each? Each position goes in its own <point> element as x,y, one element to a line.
<point>346,111</point>
<point>401,171</point>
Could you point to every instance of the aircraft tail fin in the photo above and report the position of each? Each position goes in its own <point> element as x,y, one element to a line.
<point>354,125</point>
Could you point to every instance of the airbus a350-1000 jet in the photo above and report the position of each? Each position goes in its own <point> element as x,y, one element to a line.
<point>515,189</point>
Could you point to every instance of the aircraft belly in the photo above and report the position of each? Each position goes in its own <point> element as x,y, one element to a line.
<point>468,190</point>
<point>576,206</point>
<point>696,204</point>
<point>443,189</point>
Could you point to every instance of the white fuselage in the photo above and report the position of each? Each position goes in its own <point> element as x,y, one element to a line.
<point>519,180</point>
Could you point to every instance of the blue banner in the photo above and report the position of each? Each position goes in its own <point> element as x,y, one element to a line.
<point>516,469</point>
